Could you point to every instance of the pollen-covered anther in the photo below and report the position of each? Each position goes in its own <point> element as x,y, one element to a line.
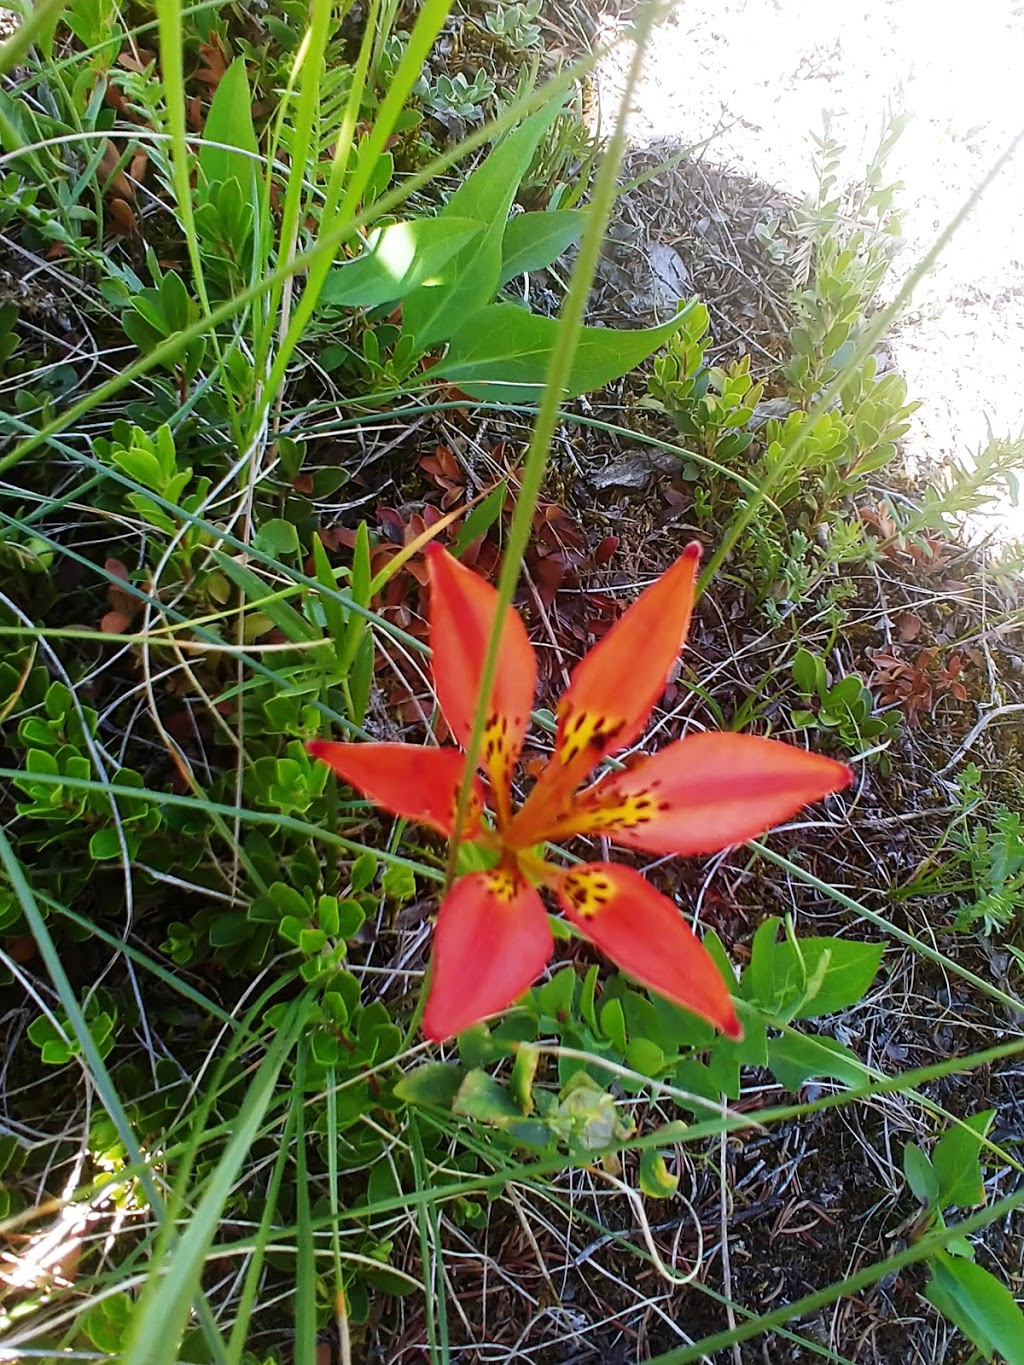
<point>587,892</point>
<point>584,729</point>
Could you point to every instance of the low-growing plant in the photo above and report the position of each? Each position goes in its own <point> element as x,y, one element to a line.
<point>971,1297</point>
<point>980,863</point>
<point>515,25</point>
<point>844,707</point>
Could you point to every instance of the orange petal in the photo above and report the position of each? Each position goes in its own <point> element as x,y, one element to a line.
<point>643,932</point>
<point>408,780</point>
<point>491,943</point>
<point>462,615</point>
<point>612,692</point>
<point>704,793</point>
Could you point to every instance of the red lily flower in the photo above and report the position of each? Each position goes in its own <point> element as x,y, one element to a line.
<point>698,795</point>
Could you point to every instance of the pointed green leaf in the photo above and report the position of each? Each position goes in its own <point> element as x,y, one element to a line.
<point>471,278</point>
<point>502,354</point>
<point>533,240</point>
<point>229,123</point>
<point>796,1058</point>
<point>398,259</point>
<point>334,612</point>
<point>979,1304</point>
<point>957,1162</point>
<point>920,1173</point>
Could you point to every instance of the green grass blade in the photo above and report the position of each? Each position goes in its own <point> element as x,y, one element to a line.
<point>163,1309</point>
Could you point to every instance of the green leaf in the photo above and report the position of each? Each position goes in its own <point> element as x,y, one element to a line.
<point>656,1181</point>
<point>524,1069</point>
<point>758,984</point>
<point>811,978</point>
<point>613,1024</point>
<point>258,593</point>
<point>957,1163</point>
<point>334,612</point>
<point>481,1097</point>
<point>979,1304</point>
<point>471,278</point>
<point>808,673</point>
<point>399,883</point>
<point>848,974</point>
<point>359,588</point>
<point>796,1058</point>
<point>104,845</point>
<point>646,1057</point>
<point>436,1083</point>
<point>920,1173</point>
<point>277,538</point>
<point>229,122</point>
<point>289,901</point>
<point>482,517</point>
<point>533,240</point>
<point>502,353</point>
<point>398,259</point>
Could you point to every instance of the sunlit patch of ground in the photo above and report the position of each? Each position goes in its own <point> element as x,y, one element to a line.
<point>754,76</point>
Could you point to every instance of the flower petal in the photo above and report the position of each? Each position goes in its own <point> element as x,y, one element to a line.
<point>462,614</point>
<point>612,692</point>
<point>491,943</point>
<point>704,793</point>
<point>408,780</point>
<point>643,932</point>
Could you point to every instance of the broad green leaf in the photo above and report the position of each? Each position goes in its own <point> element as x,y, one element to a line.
<point>920,1173</point>
<point>814,977</point>
<point>979,1304</point>
<point>759,981</point>
<point>796,1058</point>
<point>533,240</point>
<point>398,259</point>
<point>613,1024</point>
<point>229,122</point>
<point>471,278</point>
<point>645,1057</point>
<point>848,975</point>
<point>502,354</point>
<point>436,1083</point>
<point>808,672</point>
<point>956,1159</point>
